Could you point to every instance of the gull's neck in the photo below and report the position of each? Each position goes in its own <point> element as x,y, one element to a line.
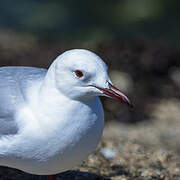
<point>49,80</point>
<point>50,102</point>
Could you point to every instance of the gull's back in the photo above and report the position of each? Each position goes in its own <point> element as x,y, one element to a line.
<point>14,82</point>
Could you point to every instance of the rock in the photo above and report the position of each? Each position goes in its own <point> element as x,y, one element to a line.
<point>108,153</point>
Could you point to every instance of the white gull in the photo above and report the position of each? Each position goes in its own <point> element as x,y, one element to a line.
<point>50,120</point>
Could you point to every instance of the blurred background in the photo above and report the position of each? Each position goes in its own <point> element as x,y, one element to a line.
<point>140,42</point>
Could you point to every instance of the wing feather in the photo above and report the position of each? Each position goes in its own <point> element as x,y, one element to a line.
<point>14,82</point>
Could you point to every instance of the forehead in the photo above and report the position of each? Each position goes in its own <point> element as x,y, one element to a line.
<point>82,59</point>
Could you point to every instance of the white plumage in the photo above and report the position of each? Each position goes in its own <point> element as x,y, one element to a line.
<point>51,120</point>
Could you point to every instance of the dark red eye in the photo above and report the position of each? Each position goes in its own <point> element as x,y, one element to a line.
<point>78,73</point>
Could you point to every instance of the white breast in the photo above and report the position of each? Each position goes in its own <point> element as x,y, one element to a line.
<point>61,142</point>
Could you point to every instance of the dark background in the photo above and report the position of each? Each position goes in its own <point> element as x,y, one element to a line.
<point>92,20</point>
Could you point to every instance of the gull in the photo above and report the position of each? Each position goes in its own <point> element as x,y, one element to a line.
<point>50,120</point>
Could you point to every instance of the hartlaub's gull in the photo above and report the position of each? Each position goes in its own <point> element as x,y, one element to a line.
<point>50,120</point>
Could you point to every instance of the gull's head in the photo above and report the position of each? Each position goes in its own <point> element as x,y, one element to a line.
<point>82,75</point>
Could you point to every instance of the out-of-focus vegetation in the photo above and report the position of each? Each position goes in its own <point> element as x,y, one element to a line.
<point>79,20</point>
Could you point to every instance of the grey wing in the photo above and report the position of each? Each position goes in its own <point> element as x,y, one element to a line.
<point>13,84</point>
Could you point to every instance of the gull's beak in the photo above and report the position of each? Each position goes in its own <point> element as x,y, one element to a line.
<point>116,94</point>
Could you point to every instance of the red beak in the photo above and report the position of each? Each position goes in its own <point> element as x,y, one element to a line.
<point>116,94</point>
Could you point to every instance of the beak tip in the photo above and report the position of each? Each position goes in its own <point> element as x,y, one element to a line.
<point>128,103</point>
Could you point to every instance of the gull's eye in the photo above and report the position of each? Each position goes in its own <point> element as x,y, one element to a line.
<point>78,73</point>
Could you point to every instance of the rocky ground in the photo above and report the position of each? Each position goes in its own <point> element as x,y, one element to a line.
<point>142,151</point>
